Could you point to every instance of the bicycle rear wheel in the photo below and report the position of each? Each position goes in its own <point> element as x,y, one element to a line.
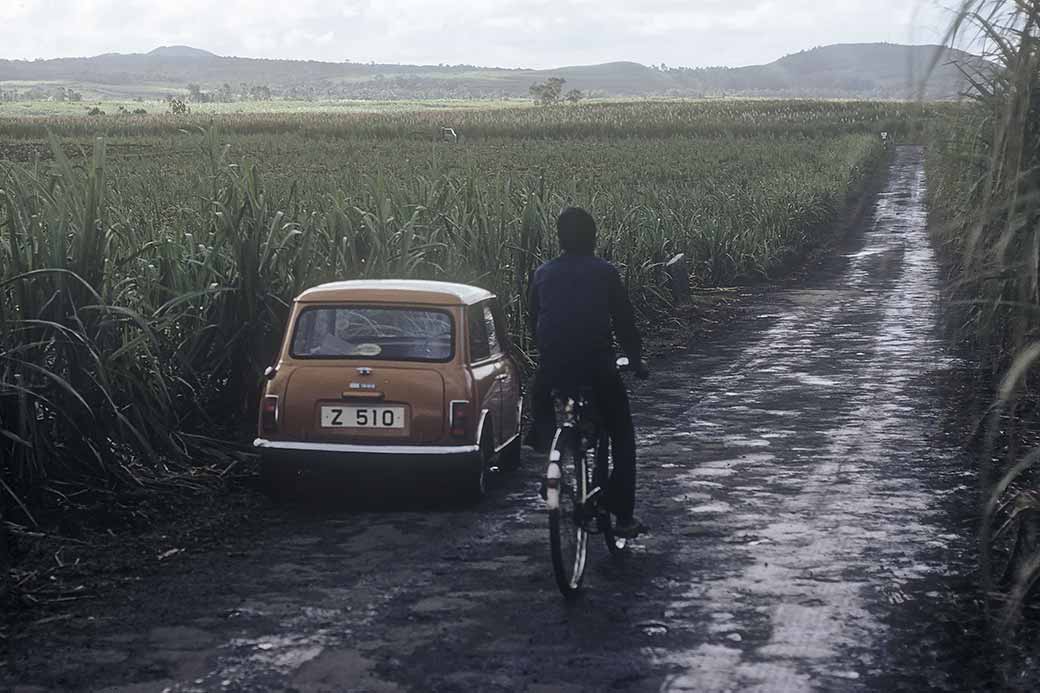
<point>567,487</point>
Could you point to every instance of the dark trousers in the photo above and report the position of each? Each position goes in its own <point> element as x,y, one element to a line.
<point>612,403</point>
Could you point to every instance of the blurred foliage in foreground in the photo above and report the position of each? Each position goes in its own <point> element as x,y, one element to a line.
<point>985,180</point>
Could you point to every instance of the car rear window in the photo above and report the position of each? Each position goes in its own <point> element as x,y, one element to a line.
<point>377,333</point>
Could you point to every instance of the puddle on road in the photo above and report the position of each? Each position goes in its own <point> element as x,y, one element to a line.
<point>711,508</point>
<point>815,381</point>
<point>837,527</point>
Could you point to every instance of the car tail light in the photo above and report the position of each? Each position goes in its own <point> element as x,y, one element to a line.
<point>460,419</point>
<point>269,414</point>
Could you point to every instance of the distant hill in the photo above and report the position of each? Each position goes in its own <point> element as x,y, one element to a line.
<point>873,71</point>
<point>181,52</point>
<point>869,70</point>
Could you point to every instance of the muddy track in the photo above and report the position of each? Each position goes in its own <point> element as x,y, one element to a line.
<point>796,477</point>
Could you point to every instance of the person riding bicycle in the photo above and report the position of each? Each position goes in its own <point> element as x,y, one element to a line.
<point>573,302</point>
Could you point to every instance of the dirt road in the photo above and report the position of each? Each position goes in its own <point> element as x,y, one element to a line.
<point>796,477</point>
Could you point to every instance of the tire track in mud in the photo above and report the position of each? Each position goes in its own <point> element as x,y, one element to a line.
<point>793,474</point>
<point>816,447</point>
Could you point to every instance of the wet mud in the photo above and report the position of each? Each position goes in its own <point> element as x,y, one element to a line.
<point>798,477</point>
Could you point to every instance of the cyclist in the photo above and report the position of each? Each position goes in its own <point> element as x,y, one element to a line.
<point>573,301</point>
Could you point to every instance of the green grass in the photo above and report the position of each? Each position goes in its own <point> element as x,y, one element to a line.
<point>111,103</point>
<point>145,278</point>
<point>624,120</point>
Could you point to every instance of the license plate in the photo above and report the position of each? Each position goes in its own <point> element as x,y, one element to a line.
<point>362,417</point>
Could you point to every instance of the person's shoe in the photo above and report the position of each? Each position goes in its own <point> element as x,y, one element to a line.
<point>628,529</point>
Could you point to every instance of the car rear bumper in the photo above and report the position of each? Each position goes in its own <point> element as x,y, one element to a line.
<point>345,457</point>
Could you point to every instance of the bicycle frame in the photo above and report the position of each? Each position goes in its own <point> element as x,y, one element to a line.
<point>578,418</point>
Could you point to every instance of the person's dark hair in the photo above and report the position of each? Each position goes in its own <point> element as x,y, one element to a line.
<point>577,231</point>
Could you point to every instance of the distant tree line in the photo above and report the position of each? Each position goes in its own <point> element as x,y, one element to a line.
<point>550,92</point>
<point>225,93</point>
<point>379,87</point>
<point>41,93</point>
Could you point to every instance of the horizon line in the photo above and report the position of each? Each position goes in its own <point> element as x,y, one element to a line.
<point>348,61</point>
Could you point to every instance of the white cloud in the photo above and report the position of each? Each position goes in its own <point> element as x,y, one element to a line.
<point>16,9</point>
<point>536,33</point>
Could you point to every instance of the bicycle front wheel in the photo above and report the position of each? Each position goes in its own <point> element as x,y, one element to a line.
<point>567,487</point>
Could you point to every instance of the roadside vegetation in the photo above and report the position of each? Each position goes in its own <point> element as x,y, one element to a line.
<point>985,182</point>
<point>421,121</point>
<point>145,275</point>
<point>157,106</point>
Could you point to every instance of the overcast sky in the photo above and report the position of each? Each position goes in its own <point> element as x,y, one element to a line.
<point>506,33</point>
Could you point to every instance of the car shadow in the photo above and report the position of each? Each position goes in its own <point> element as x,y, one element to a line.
<point>324,493</point>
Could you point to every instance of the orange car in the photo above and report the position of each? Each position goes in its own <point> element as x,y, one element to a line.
<point>377,374</point>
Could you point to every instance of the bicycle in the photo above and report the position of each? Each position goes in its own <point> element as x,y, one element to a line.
<point>575,492</point>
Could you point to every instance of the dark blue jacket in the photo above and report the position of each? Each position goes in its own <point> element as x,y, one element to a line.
<point>574,300</point>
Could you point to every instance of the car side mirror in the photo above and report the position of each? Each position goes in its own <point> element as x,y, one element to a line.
<point>270,371</point>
